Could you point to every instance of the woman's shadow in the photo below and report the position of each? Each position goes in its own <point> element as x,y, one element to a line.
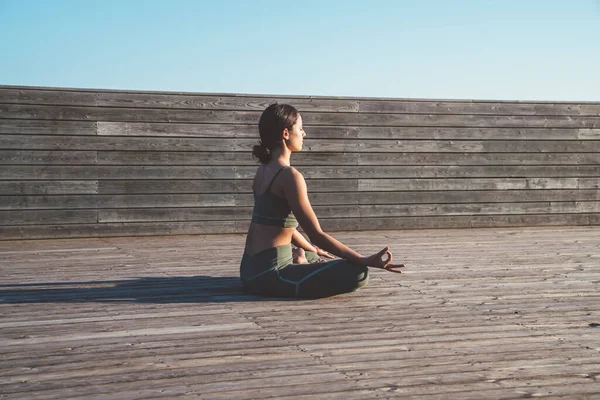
<point>180,289</point>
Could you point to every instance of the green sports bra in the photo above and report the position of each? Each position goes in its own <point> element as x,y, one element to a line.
<point>273,210</point>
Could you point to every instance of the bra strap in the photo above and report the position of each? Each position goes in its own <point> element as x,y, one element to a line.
<point>274,176</point>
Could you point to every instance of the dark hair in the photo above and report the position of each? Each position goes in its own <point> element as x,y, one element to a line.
<point>273,121</point>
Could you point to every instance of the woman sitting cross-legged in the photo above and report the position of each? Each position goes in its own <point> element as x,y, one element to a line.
<point>269,267</point>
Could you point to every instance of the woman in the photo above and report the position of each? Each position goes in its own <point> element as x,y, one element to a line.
<point>268,265</point>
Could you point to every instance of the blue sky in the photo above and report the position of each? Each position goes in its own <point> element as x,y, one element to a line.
<point>469,49</point>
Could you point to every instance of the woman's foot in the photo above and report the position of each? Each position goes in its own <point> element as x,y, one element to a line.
<point>299,256</point>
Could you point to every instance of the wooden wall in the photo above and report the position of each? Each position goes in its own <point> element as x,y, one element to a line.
<point>77,163</point>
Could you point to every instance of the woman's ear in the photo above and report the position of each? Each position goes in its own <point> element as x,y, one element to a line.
<point>286,134</point>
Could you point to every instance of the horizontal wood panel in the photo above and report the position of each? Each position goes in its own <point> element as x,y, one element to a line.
<point>47,157</point>
<point>89,157</point>
<point>335,158</point>
<point>477,184</point>
<point>259,103</point>
<point>352,198</point>
<point>225,186</point>
<point>46,127</point>
<point>182,214</point>
<point>246,199</point>
<point>104,230</point>
<point>125,156</point>
<point>40,142</point>
<point>450,120</point>
<point>213,102</point>
<point>357,211</point>
<point>343,185</point>
<point>361,224</point>
<point>348,132</point>
<point>83,172</point>
<point>14,111</point>
<point>48,187</point>
<point>171,100</point>
<point>447,107</point>
<point>50,127</point>
<point>28,217</point>
<point>478,221</point>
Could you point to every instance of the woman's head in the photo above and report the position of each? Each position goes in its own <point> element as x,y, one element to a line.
<point>276,124</point>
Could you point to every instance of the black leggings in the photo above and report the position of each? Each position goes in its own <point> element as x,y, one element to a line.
<point>271,273</point>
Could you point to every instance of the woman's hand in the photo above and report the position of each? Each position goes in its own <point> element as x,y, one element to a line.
<point>323,254</point>
<point>383,259</point>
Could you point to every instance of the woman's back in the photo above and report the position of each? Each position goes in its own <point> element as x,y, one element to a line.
<point>268,185</point>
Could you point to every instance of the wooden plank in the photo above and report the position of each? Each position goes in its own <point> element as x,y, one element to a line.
<point>303,158</point>
<point>246,199</point>
<point>453,196</point>
<point>346,132</point>
<point>344,211</point>
<point>361,119</point>
<point>249,102</point>
<point>49,97</point>
<point>62,143</point>
<point>474,107</point>
<point>344,224</point>
<point>101,172</point>
<point>169,100</point>
<point>213,102</point>
<point>14,111</point>
<point>473,184</point>
<point>28,217</point>
<point>19,157</point>
<point>16,232</point>
<point>476,221</point>
<point>48,187</point>
<point>181,130</point>
<point>589,109</point>
<point>46,127</point>
<point>345,186</point>
<point>91,143</point>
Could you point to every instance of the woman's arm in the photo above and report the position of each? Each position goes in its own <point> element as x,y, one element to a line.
<point>300,241</point>
<point>294,188</point>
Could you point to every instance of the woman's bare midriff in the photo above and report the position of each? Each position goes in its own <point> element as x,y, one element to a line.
<point>262,237</point>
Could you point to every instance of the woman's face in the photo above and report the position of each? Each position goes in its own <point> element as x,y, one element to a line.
<point>296,136</point>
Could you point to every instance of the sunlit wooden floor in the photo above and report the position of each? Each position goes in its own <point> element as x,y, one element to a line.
<point>478,314</point>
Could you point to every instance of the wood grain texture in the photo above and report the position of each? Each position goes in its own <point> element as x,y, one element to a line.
<point>112,162</point>
<point>242,145</point>
<point>76,113</point>
<point>344,132</point>
<point>46,127</point>
<point>85,172</point>
<point>303,103</point>
<point>58,230</point>
<point>346,185</point>
<point>478,313</point>
<point>58,201</point>
<point>216,213</point>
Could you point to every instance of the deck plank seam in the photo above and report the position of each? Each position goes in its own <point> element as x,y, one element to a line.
<point>317,358</point>
<point>477,311</point>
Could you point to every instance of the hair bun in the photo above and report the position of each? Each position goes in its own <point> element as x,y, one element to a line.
<point>261,152</point>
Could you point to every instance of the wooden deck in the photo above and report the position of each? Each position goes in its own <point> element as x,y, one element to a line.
<point>478,314</point>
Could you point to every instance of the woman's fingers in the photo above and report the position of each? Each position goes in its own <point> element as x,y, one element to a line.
<point>385,256</point>
<point>323,253</point>
<point>394,268</point>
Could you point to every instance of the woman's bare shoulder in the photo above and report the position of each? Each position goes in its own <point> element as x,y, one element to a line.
<point>293,181</point>
<point>292,174</point>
